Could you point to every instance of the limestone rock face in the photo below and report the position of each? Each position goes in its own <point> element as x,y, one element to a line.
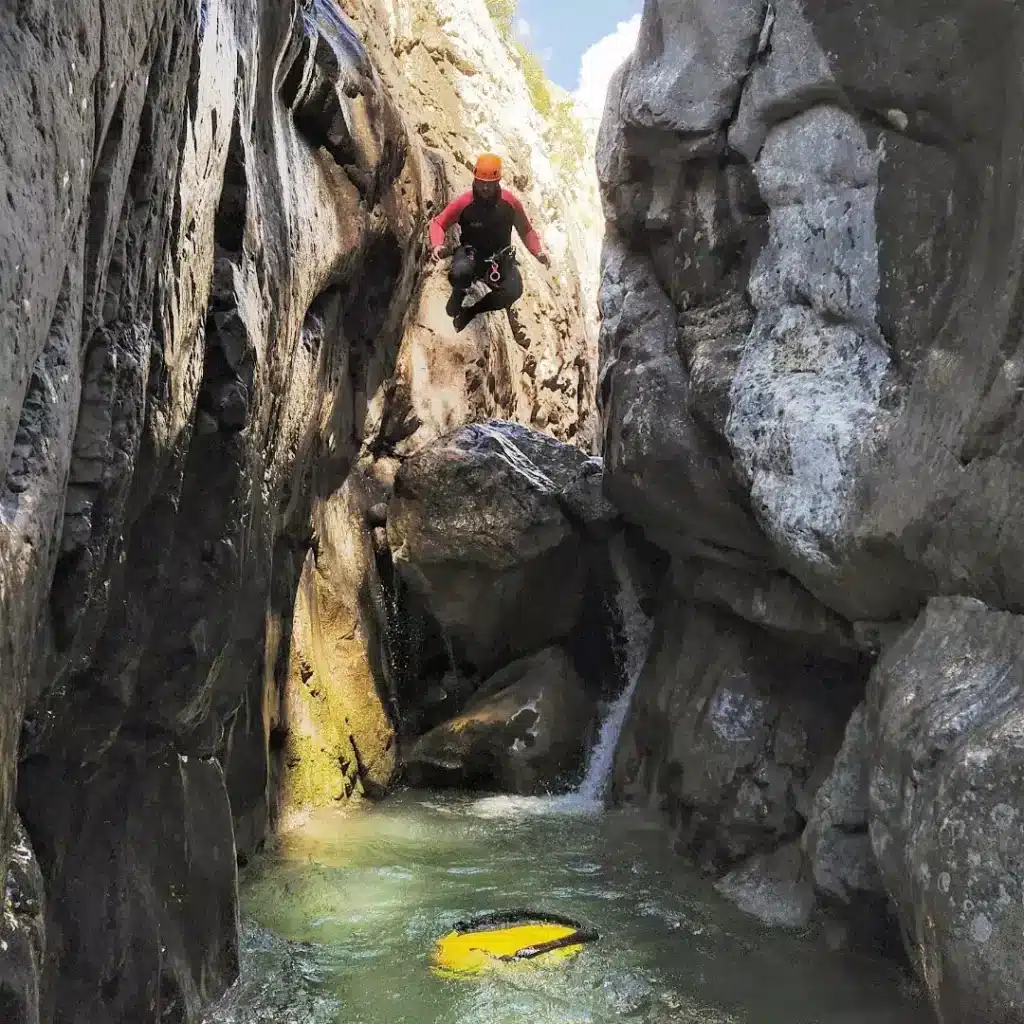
<point>22,932</point>
<point>153,875</point>
<point>946,708</point>
<point>214,308</point>
<point>464,93</point>
<point>525,731</point>
<point>809,384</point>
<point>729,733</point>
<point>810,275</point>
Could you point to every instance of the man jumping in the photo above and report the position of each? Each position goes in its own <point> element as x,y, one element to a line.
<point>486,213</point>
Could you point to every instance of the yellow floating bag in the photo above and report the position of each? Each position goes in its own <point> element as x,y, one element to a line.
<point>513,937</point>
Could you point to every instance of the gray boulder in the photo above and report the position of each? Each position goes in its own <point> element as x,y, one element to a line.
<point>484,525</point>
<point>774,888</point>
<point>836,838</point>
<point>946,710</point>
<point>155,861</point>
<point>525,731</point>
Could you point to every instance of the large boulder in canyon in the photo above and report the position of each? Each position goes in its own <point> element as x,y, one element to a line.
<point>946,710</point>
<point>525,731</point>
<point>489,527</point>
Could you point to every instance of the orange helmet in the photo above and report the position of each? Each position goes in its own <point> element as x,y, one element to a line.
<point>488,167</point>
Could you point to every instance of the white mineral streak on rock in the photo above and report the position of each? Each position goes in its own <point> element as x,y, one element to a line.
<point>805,399</point>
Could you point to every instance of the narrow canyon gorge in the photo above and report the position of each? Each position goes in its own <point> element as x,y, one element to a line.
<point>720,524</point>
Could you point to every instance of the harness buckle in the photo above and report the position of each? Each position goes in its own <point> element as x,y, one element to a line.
<point>495,273</point>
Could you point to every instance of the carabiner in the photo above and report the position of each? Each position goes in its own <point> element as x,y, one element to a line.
<point>495,274</point>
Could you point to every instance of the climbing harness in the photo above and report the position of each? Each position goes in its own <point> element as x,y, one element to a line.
<point>510,937</point>
<point>494,275</point>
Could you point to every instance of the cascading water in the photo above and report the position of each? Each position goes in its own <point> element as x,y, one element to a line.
<point>636,628</point>
<point>589,798</point>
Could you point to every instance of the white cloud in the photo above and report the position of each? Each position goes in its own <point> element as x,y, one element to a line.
<point>600,62</point>
<point>523,28</point>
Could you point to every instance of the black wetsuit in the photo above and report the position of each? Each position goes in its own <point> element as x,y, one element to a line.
<point>486,232</point>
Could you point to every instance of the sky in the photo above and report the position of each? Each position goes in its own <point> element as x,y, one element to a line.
<point>581,43</point>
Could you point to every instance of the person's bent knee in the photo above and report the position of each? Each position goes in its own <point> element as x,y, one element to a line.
<point>460,277</point>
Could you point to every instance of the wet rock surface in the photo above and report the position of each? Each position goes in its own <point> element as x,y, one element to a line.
<point>337,720</point>
<point>807,384</point>
<point>490,527</point>
<point>212,301</point>
<point>526,730</point>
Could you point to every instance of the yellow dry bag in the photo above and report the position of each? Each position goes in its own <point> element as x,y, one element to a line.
<point>512,937</point>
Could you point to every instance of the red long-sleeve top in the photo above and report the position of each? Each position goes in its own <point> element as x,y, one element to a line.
<point>488,229</point>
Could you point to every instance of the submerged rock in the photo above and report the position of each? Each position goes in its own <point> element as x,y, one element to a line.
<point>775,887</point>
<point>525,731</point>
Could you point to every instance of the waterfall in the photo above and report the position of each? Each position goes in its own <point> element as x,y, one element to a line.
<point>589,798</point>
<point>636,627</point>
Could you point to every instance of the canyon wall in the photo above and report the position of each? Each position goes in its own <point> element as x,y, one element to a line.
<point>219,345</point>
<point>811,380</point>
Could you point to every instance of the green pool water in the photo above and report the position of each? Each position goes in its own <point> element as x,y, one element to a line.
<point>341,917</point>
